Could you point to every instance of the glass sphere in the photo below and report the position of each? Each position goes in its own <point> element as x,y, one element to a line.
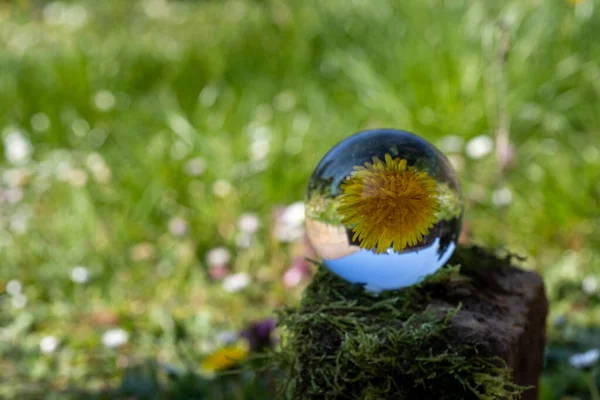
<point>384,209</point>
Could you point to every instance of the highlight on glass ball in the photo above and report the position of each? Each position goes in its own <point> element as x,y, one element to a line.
<point>384,209</point>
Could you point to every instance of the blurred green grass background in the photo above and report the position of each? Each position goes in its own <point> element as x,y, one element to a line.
<point>137,134</point>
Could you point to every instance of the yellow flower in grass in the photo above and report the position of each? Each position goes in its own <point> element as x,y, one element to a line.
<point>225,357</point>
<point>388,204</point>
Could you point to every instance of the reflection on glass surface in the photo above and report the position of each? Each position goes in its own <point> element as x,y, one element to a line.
<point>384,209</point>
<point>390,270</point>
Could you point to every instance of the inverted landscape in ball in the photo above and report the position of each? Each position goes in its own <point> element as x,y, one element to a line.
<point>384,209</point>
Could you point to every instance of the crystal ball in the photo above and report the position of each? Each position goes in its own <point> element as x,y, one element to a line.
<point>384,209</point>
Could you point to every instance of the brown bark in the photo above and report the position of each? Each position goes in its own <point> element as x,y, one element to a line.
<point>504,311</point>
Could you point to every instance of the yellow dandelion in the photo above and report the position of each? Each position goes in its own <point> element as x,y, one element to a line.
<point>388,204</point>
<point>225,357</point>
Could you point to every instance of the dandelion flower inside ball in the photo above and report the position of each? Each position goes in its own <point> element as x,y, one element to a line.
<point>388,204</point>
<point>384,209</point>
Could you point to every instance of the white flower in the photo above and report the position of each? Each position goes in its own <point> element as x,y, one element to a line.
<point>104,100</point>
<point>479,147</point>
<point>589,284</point>
<point>17,148</point>
<point>19,300</point>
<point>294,214</point>
<point>451,144</point>
<point>178,226</point>
<point>63,170</point>
<point>195,166</point>
<point>100,169</point>
<point>78,177</point>
<point>95,161</point>
<point>80,274</point>
<point>115,338</point>
<point>19,221</point>
<point>218,256</point>
<point>98,166</point>
<point>249,223</point>
<point>290,226</point>
<point>502,197</point>
<point>14,287</point>
<point>76,17</point>
<point>227,337</point>
<point>259,149</point>
<point>12,195</point>
<point>48,344</point>
<point>221,188</point>
<point>258,131</point>
<point>15,177</point>
<point>585,360</point>
<point>236,282</point>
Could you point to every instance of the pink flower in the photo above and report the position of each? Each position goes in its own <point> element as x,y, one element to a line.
<point>218,271</point>
<point>178,226</point>
<point>296,273</point>
<point>218,262</point>
<point>506,156</point>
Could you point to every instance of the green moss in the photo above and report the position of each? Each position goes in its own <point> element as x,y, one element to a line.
<point>450,205</point>
<point>341,343</point>
<point>323,208</point>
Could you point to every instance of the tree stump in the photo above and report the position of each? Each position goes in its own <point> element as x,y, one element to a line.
<point>471,332</point>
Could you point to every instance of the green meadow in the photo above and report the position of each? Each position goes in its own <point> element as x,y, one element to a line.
<point>155,156</point>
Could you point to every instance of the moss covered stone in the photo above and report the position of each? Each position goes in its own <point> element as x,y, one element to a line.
<point>474,330</point>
